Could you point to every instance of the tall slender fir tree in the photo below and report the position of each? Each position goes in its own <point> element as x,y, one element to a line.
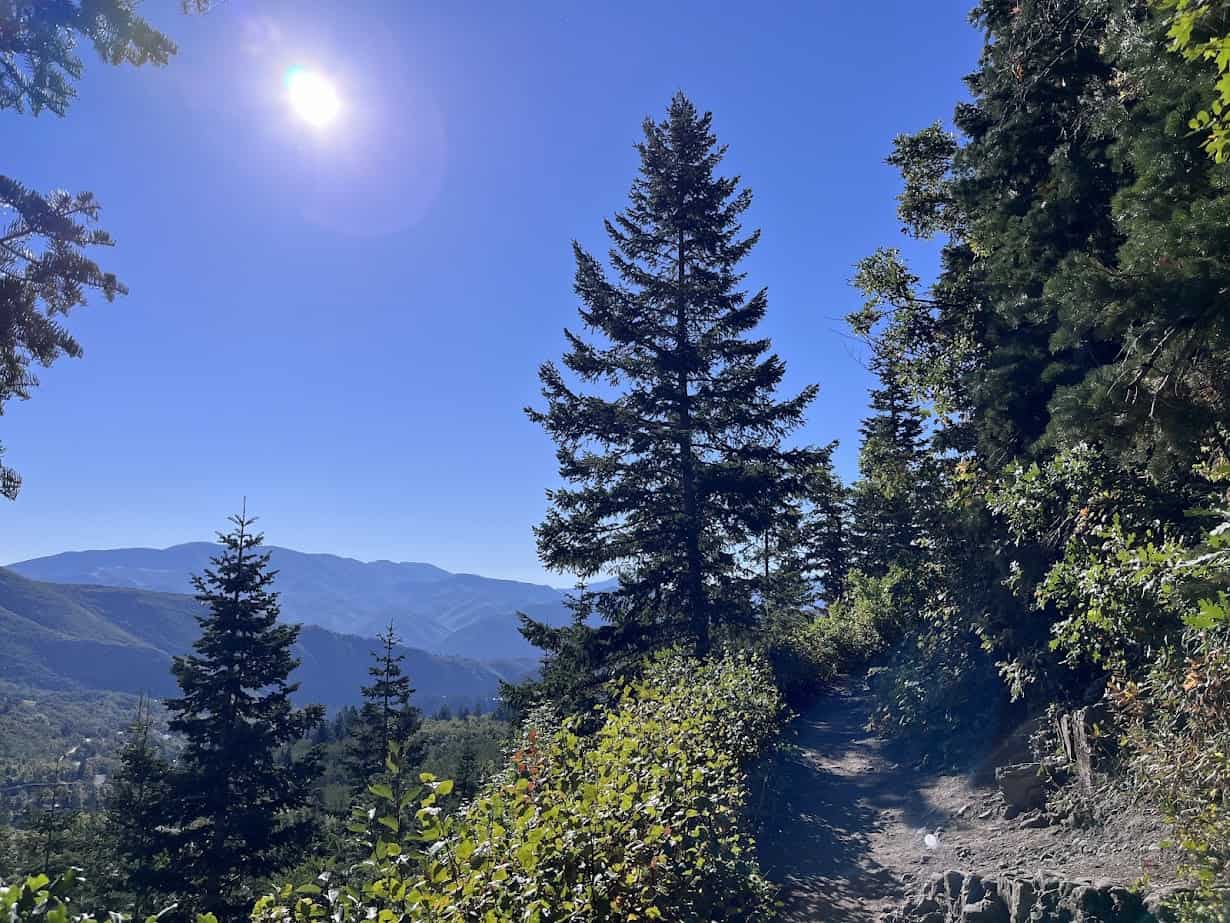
<point>886,519</point>
<point>386,715</point>
<point>670,450</point>
<point>136,801</point>
<point>240,809</point>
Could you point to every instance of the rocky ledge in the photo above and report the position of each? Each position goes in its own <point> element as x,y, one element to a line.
<point>957,897</point>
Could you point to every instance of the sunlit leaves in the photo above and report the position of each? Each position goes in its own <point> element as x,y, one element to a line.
<point>40,899</point>
<point>640,820</point>
<point>1200,31</point>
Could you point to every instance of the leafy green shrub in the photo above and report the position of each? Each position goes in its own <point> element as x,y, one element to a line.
<point>39,899</point>
<point>937,690</point>
<point>1177,733</point>
<point>1113,536</point>
<point>813,651</point>
<point>1139,594</point>
<point>1198,31</point>
<point>641,820</point>
<point>1176,718</point>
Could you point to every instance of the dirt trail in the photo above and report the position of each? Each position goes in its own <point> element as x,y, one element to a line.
<point>847,834</point>
<point>841,794</point>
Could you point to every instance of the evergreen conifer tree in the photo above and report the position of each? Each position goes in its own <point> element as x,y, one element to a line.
<point>136,801</point>
<point>887,519</point>
<point>826,529</point>
<point>386,715</point>
<point>468,774</point>
<point>578,659</point>
<point>672,441</point>
<point>240,811</point>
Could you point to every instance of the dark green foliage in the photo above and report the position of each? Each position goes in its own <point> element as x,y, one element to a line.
<point>237,810</point>
<point>44,274</point>
<point>826,529</point>
<point>468,775</point>
<point>673,452</point>
<point>896,484</point>
<point>1074,352</point>
<point>578,661</point>
<point>44,269</point>
<point>1160,297</point>
<point>386,715</point>
<point>38,41</point>
<point>993,349</point>
<point>467,751</point>
<point>799,554</point>
<point>1078,295</point>
<point>136,800</point>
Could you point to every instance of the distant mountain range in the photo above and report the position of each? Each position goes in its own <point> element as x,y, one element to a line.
<point>64,637</point>
<point>460,615</point>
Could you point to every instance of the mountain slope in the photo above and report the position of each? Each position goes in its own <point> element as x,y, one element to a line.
<point>462,614</point>
<point>122,640</point>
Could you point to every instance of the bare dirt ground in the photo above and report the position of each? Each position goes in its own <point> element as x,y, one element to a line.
<point>846,832</point>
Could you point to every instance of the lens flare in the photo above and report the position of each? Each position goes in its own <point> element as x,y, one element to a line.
<point>312,97</point>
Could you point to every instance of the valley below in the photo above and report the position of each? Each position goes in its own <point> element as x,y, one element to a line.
<point>111,621</point>
<point>461,615</point>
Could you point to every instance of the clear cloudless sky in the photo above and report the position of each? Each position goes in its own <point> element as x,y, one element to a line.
<point>343,324</point>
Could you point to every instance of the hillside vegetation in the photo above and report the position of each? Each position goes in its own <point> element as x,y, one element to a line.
<point>56,637</point>
<point>462,615</point>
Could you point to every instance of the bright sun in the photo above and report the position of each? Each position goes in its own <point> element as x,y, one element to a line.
<point>312,97</point>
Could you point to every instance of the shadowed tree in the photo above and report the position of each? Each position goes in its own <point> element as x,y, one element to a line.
<point>886,518</point>
<point>386,715</point>
<point>135,803</point>
<point>238,806</point>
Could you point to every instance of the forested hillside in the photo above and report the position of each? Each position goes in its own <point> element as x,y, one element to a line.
<point>60,636</point>
<point>463,615</point>
<point>1034,557</point>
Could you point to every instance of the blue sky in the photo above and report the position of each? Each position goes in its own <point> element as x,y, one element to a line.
<point>343,325</point>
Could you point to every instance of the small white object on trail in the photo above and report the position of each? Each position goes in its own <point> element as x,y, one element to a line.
<point>931,840</point>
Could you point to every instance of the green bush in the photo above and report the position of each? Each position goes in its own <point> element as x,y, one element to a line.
<point>1140,595</point>
<point>814,649</point>
<point>1176,716</point>
<point>39,899</point>
<point>935,686</point>
<point>1177,735</point>
<point>642,820</point>
<point>927,672</point>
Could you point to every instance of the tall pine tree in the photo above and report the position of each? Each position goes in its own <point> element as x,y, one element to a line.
<point>240,809</point>
<point>136,802</point>
<point>886,513</point>
<point>800,554</point>
<point>826,529</point>
<point>386,716</point>
<point>672,439</point>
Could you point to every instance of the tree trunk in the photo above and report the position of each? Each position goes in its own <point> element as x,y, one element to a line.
<point>698,615</point>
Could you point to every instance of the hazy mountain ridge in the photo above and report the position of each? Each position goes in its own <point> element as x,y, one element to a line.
<point>55,636</point>
<point>463,615</point>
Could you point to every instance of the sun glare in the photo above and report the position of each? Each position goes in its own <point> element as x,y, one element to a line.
<point>312,97</point>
